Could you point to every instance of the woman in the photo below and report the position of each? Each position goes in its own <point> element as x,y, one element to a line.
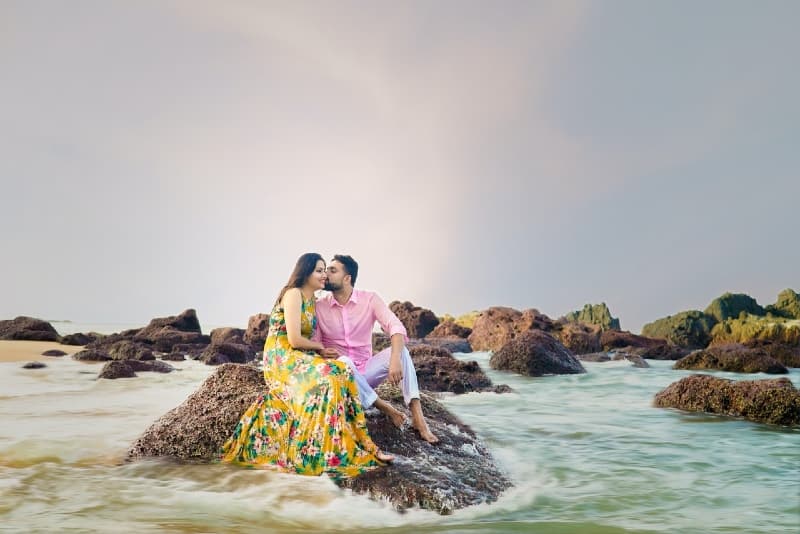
<point>310,420</point>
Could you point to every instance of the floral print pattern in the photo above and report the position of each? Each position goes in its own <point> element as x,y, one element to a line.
<point>310,420</point>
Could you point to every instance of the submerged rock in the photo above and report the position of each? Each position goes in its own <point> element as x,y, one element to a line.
<point>438,370</point>
<point>54,352</point>
<point>773,400</point>
<point>34,365</point>
<point>128,368</point>
<point>457,472</point>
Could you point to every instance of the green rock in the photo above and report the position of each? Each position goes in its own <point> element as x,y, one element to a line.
<point>689,329</point>
<point>788,305</point>
<point>598,314</point>
<point>775,329</point>
<point>730,305</point>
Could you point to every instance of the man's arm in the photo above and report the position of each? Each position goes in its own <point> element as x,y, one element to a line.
<point>392,326</point>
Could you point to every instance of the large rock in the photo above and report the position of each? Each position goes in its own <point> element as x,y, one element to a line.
<point>734,357</point>
<point>165,332</point>
<point>456,473</point>
<point>579,338</point>
<point>450,328</point>
<point>28,329</point>
<point>774,400</point>
<point>129,350</point>
<point>732,305</point>
<point>496,326</point>
<point>787,305</point>
<point>228,335</point>
<point>536,353</point>
<point>597,314</point>
<point>419,322</point>
<point>689,329</point>
<point>438,370</point>
<point>257,329</point>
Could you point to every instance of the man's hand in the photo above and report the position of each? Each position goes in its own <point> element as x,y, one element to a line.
<point>395,370</point>
<point>329,352</point>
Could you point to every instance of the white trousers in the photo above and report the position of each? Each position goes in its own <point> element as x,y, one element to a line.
<point>377,370</point>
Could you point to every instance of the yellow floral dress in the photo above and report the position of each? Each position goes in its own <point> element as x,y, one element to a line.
<point>310,420</point>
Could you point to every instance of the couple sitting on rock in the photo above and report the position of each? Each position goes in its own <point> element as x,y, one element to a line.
<point>320,373</point>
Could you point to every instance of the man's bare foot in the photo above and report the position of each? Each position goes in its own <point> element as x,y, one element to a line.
<point>426,434</point>
<point>384,457</point>
<point>398,418</point>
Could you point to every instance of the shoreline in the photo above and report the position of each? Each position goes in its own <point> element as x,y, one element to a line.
<point>31,351</point>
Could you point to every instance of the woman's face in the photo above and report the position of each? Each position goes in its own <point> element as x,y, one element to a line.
<point>317,279</point>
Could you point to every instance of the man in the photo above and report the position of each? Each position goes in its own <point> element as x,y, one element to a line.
<point>345,321</point>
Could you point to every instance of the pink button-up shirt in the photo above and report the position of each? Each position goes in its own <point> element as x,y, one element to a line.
<point>348,328</point>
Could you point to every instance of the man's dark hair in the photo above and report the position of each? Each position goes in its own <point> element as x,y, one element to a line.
<point>350,266</point>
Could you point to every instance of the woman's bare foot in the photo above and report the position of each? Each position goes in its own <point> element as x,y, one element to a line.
<point>426,434</point>
<point>419,423</point>
<point>384,457</point>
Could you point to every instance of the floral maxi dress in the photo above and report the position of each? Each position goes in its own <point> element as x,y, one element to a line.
<point>310,420</point>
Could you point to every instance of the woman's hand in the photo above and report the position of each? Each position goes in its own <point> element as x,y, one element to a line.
<point>329,352</point>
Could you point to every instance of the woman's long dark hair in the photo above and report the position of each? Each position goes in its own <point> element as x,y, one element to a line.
<point>302,270</point>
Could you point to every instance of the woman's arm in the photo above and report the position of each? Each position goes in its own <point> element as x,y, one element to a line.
<point>292,304</point>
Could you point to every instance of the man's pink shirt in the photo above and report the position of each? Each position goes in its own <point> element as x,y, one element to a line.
<point>348,328</point>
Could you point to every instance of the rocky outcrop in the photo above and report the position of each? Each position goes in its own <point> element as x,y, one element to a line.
<point>129,350</point>
<point>597,314</point>
<point>163,333</point>
<point>128,368</point>
<point>616,339</point>
<point>579,338</point>
<point>456,473</point>
<point>536,353</point>
<point>774,401</point>
<point>227,353</point>
<point>80,339</point>
<point>419,322</point>
<point>734,357</point>
<point>496,326</point>
<point>732,305</point>
<point>751,328</point>
<point>787,305</point>
<point>689,329</point>
<point>257,329</point>
<point>450,328</point>
<point>228,335</point>
<point>27,329</point>
<point>437,370</point>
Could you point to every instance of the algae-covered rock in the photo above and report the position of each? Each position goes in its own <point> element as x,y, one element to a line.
<point>458,472</point>
<point>536,353</point>
<point>787,305</point>
<point>734,357</point>
<point>598,314</point>
<point>689,329</point>
<point>731,305</point>
<point>773,400</point>
<point>785,331</point>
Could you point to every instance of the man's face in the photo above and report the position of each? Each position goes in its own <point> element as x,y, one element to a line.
<point>336,276</point>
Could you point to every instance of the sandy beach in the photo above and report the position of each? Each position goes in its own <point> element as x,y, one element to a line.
<point>31,351</point>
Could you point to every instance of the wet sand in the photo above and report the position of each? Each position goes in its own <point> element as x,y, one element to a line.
<point>31,351</point>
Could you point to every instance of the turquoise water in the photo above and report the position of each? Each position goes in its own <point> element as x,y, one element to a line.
<point>587,453</point>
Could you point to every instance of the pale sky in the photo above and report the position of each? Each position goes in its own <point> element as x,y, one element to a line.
<point>162,155</point>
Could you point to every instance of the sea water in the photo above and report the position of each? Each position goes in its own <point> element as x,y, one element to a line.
<point>587,454</point>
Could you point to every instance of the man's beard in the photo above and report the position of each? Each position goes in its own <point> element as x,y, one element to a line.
<point>330,286</point>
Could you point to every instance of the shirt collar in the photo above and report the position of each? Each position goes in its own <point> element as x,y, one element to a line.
<point>353,299</point>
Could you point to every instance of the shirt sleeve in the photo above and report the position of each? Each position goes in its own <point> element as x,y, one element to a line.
<point>389,322</point>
